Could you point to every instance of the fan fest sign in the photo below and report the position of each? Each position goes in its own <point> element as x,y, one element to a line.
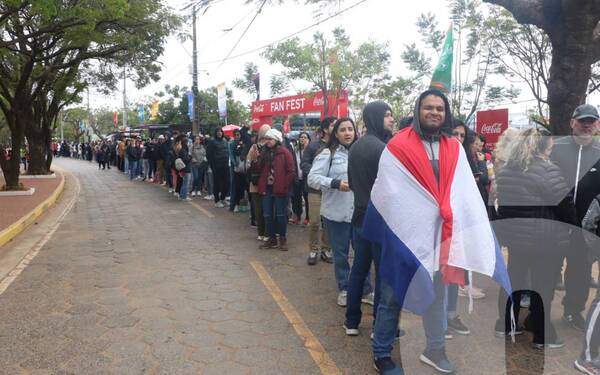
<point>264,110</point>
<point>491,124</point>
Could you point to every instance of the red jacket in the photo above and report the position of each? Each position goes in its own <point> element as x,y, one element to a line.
<point>284,171</point>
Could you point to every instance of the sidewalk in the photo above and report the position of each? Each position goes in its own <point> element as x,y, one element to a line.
<point>27,208</point>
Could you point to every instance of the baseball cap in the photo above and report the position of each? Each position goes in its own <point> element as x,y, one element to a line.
<point>586,111</point>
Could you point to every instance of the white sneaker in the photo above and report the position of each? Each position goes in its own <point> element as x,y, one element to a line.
<point>351,331</point>
<point>236,209</point>
<point>176,194</point>
<point>369,299</point>
<point>193,194</point>
<point>260,238</point>
<point>187,199</point>
<point>342,298</point>
<point>220,204</point>
<point>170,190</point>
<point>209,198</point>
<point>151,180</point>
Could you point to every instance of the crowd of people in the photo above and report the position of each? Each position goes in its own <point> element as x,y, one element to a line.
<point>540,194</point>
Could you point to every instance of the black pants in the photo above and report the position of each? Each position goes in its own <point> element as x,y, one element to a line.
<point>221,182</point>
<point>299,194</point>
<point>239,187</point>
<point>577,275</point>
<point>544,270</point>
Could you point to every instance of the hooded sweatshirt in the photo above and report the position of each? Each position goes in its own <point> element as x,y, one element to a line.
<point>363,158</point>
<point>252,156</point>
<point>432,141</point>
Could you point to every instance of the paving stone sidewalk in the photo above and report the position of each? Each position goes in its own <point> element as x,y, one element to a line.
<point>136,282</point>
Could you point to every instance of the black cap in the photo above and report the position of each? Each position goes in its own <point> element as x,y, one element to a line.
<point>586,111</point>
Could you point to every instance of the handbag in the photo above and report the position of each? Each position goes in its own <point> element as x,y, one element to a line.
<point>179,164</point>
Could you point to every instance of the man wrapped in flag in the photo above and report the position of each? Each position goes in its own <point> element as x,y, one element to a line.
<point>431,229</point>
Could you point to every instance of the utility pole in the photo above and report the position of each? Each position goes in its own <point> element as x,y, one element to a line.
<point>61,115</point>
<point>89,116</point>
<point>195,126</point>
<point>124,99</point>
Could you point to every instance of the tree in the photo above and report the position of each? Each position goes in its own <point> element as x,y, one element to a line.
<point>246,83</point>
<point>474,63</point>
<point>331,66</point>
<point>71,119</point>
<point>573,28</point>
<point>50,51</point>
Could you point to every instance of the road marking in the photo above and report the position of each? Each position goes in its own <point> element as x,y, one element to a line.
<point>12,275</point>
<point>203,210</point>
<point>311,343</point>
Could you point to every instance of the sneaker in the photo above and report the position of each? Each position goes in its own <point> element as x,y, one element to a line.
<point>188,199</point>
<point>208,197</point>
<point>438,360</point>
<point>193,194</point>
<point>458,326</point>
<point>351,331</point>
<point>399,333</point>
<point>386,366</point>
<point>312,258</point>
<point>588,367</point>
<point>575,321</point>
<point>259,238</point>
<point>327,256</point>
<point>448,335</point>
<point>476,293</point>
<point>236,209</point>
<point>176,195</point>
<point>220,204</point>
<point>369,299</point>
<point>271,243</point>
<point>501,331</point>
<point>549,344</point>
<point>151,180</point>
<point>306,222</point>
<point>342,298</point>
<point>170,190</point>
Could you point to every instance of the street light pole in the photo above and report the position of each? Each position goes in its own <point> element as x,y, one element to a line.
<point>195,126</point>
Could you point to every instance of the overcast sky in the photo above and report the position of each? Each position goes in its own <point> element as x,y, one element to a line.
<point>381,20</point>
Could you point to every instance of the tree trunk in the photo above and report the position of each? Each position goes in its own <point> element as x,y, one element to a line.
<point>569,77</point>
<point>11,168</point>
<point>37,152</point>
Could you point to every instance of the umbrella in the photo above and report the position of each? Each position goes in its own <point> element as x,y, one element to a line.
<point>228,129</point>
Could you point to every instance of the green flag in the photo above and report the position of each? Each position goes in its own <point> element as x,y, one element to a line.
<point>442,75</point>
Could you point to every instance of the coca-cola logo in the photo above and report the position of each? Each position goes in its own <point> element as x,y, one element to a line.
<point>259,108</point>
<point>495,128</point>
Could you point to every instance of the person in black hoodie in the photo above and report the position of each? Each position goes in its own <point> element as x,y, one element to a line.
<point>578,157</point>
<point>217,153</point>
<point>432,122</point>
<point>363,163</point>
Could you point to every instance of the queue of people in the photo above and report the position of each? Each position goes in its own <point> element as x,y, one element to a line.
<point>537,193</point>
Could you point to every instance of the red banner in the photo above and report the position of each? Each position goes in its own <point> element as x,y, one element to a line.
<point>264,110</point>
<point>491,124</point>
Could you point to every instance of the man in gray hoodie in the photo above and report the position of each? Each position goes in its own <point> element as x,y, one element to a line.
<point>432,121</point>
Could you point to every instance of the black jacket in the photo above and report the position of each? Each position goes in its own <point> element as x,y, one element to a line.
<point>133,153</point>
<point>566,155</point>
<point>163,151</point>
<point>308,156</point>
<point>363,158</point>
<point>536,210</point>
<point>217,153</point>
<point>185,156</point>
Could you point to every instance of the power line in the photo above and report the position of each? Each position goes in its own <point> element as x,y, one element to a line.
<point>244,33</point>
<point>284,38</point>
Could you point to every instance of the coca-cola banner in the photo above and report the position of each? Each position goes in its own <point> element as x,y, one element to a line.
<point>491,124</point>
<point>264,110</point>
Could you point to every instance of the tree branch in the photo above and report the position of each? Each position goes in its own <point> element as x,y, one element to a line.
<point>525,11</point>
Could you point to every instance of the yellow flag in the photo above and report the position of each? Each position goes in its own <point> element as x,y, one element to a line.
<point>154,110</point>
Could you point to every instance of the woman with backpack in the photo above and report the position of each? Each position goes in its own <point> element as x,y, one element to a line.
<point>329,174</point>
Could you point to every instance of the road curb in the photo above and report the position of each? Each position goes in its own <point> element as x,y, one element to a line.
<point>17,227</point>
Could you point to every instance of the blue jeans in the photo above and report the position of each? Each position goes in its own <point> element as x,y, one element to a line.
<point>126,164</point>
<point>184,186</point>
<point>359,282</point>
<point>209,181</point>
<point>452,300</point>
<point>133,168</point>
<point>198,178</point>
<point>340,235</point>
<point>388,312</point>
<point>275,213</point>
